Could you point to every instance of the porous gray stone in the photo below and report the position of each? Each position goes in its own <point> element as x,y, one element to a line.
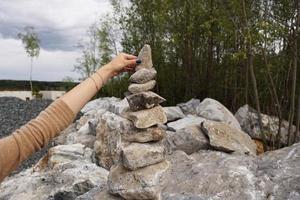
<point>143,183</point>
<point>144,135</point>
<point>144,100</point>
<point>143,75</point>
<point>108,142</point>
<point>173,113</point>
<point>141,87</point>
<point>149,117</point>
<point>138,155</point>
<point>146,57</point>
<point>186,121</point>
<point>189,139</point>
<point>189,107</point>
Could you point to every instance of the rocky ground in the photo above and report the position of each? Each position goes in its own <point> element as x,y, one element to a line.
<point>135,149</point>
<point>210,160</point>
<point>14,113</point>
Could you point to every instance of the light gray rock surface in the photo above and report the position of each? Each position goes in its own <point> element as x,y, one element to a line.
<point>146,57</point>
<point>149,117</point>
<point>189,139</point>
<point>144,100</point>
<point>69,171</point>
<point>65,153</point>
<point>143,87</point>
<point>215,111</point>
<point>143,75</point>
<point>144,183</point>
<point>119,107</point>
<point>186,121</point>
<point>101,103</point>
<point>138,155</point>
<point>108,142</point>
<point>248,119</point>
<point>173,113</point>
<point>228,139</point>
<point>189,107</point>
<point>217,175</point>
<point>98,193</point>
<point>63,175</point>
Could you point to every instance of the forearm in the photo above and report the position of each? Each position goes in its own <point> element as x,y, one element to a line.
<point>82,93</point>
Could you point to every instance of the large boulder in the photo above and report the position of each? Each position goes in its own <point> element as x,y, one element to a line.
<point>215,111</point>
<point>189,107</point>
<point>144,183</point>
<point>189,139</point>
<point>64,173</point>
<point>248,119</point>
<point>212,175</point>
<point>228,139</point>
<point>138,155</point>
<point>186,121</point>
<point>217,175</point>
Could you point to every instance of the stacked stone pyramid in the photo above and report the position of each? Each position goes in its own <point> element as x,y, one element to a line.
<point>143,170</point>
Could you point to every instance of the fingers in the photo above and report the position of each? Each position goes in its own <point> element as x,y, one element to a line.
<point>129,56</point>
<point>131,62</point>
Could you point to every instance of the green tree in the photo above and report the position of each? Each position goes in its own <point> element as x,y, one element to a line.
<point>31,44</point>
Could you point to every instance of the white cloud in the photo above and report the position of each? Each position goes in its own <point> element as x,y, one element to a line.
<point>49,66</point>
<point>60,24</point>
<point>56,21</point>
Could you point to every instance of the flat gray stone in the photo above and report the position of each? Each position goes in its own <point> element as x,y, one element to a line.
<point>141,87</point>
<point>147,118</point>
<point>144,135</point>
<point>144,183</point>
<point>143,75</point>
<point>189,139</point>
<point>184,122</point>
<point>138,155</point>
<point>146,57</point>
<point>228,139</point>
<point>173,113</point>
<point>144,100</point>
<point>189,107</point>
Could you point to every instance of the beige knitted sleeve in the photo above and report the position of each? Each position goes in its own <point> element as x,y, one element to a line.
<point>33,136</point>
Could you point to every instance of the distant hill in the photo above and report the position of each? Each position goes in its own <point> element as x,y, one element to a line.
<point>14,85</point>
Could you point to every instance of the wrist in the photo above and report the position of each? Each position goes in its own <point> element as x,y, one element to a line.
<point>106,72</point>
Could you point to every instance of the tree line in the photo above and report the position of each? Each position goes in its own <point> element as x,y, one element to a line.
<point>235,51</point>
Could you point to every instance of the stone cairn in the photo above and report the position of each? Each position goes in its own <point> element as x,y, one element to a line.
<point>142,171</point>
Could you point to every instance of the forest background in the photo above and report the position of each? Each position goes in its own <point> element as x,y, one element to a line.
<point>235,51</point>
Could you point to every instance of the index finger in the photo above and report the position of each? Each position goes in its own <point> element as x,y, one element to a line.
<point>129,56</point>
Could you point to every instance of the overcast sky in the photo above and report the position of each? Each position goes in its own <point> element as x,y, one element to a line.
<point>60,25</point>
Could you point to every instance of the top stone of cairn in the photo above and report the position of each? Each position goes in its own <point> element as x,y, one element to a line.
<point>146,58</point>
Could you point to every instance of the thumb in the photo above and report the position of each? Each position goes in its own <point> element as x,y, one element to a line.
<point>130,62</point>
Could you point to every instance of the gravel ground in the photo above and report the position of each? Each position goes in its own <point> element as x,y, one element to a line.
<point>14,113</point>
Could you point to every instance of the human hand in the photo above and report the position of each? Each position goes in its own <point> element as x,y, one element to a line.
<point>122,63</point>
